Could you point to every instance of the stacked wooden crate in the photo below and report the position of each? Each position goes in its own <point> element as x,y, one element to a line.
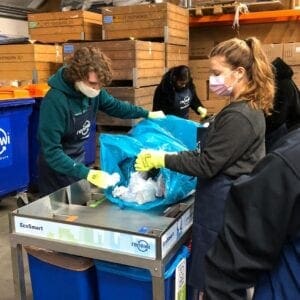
<point>137,68</point>
<point>164,22</point>
<point>36,62</point>
<point>28,63</point>
<point>159,29</point>
<point>62,26</point>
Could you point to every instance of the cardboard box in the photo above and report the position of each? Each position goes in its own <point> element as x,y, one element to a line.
<point>58,27</point>
<point>176,55</point>
<point>141,97</point>
<point>291,53</point>
<point>31,63</point>
<point>273,51</point>
<point>203,39</point>
<point>163,20</point>
<point>140,62</point>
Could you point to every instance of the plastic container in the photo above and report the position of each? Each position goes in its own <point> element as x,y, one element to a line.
<point>117,281</point>
<point>14,162</point>
<point>60,276</point>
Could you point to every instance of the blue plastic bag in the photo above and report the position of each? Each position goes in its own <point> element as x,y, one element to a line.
<point>119,152</point>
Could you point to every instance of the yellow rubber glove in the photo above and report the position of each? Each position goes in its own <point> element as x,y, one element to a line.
<point>149,159</point>
<point>202,111</point>
<point>102,179</point>
<point>159,114</point>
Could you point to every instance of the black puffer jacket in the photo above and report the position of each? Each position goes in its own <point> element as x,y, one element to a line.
<point>287,99</point>
<point>164,98</point>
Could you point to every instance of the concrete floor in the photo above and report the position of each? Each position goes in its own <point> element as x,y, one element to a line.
<point>6,279</point>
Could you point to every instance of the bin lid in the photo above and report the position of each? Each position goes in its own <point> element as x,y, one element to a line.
<point>62,260</point>
<point>16,102</point>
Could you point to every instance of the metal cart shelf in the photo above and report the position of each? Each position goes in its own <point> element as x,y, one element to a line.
<point>136,238</point>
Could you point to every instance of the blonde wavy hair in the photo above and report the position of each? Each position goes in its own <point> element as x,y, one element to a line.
<point>249,54</point>
<point>86,60</point>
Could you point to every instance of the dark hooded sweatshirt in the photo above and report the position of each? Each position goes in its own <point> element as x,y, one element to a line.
<point>287,101</point>
<point>60,104</point>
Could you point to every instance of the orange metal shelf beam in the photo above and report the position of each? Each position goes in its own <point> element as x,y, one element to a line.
<point>248,18</point>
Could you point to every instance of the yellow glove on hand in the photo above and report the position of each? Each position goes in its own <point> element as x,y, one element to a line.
<point>149,159</point>
<point>102,179</point>
<point>202,111</point>
<point>156,114</point>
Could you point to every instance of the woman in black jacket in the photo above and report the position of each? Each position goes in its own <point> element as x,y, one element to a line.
<point>234,143</point>
<point>176,93</point>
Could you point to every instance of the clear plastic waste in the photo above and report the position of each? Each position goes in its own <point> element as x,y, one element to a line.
<point>140,189</point>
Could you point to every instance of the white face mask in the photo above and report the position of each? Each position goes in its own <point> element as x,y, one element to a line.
<point>86,90</point>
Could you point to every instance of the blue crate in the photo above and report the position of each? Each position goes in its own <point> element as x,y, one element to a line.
<point>14,162</point>
<point>117,281</point>
<point>51,280</point>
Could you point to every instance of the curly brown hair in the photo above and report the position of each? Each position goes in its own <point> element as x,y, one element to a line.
<point>249,54</point>
<point>85,60</point>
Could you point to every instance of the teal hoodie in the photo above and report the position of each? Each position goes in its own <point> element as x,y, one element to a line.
<point>59,104</point>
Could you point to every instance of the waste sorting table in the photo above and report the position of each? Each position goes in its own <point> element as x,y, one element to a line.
<point>59,222</point>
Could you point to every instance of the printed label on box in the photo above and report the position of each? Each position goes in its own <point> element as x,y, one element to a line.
<point>68,48</point>
<point>108,19</point>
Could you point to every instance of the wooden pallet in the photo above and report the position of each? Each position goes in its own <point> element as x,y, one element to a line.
<point>228,7</point>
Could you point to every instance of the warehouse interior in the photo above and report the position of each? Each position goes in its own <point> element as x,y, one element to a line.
<point>143,40</point>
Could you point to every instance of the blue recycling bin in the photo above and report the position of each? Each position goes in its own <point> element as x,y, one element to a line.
<point>117,281</point>
<point>90,145</point>
<point>61,276</point>
<point>14,162</point>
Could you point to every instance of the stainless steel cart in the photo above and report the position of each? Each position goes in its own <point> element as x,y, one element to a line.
<point>141,239</point>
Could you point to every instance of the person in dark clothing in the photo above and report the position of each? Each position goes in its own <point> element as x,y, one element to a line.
<point>259,244</point>
<point>66,114</point>
<point>286,111</point>
<point>234,143</point>
<point>176,93</point>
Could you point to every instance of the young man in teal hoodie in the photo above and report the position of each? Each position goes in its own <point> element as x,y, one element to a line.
<point>66,114</point>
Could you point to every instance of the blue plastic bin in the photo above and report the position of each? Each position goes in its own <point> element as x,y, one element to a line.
<point>60,276</point>
<point>117,281</point>
<point>14,162</point>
